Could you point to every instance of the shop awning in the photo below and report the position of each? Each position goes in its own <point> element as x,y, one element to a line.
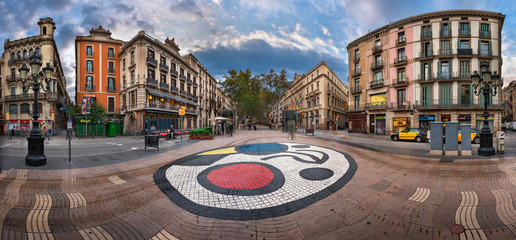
<point>167,96</point>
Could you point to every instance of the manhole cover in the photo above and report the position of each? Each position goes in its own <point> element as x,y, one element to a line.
<point>457,229</point>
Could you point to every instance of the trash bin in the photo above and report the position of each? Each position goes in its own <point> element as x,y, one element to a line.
<point>500,142</point>
<point>152,141</point>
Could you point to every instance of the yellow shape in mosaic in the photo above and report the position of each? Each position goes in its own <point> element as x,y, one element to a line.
<point>220,151</point>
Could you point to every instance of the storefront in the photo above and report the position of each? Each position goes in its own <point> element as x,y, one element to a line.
<point>399,124</point>
<point>424,121</point>
<point>25,125</point>
<point>357,123</point>
<point>445,118</point>
<point>464,119</point>
<point>480,121</point>
<point>160,121</point>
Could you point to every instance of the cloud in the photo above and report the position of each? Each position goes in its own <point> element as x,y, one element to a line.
<point>187,7</point>
<point>265,7</point>
<point>325,30</point>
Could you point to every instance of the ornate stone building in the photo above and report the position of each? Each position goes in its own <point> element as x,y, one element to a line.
<point>18,103</point>
<point>509,100</point>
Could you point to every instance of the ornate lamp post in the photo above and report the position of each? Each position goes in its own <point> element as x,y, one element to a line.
<point>36,154</point>
<point>487,84</point>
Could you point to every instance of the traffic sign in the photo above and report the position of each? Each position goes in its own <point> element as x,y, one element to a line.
<point>51,110</point>
<point>63,108</point>
<point>69,124</point>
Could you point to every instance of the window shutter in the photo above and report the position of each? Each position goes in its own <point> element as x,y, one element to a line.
<point>430,71</point>
<point>450,70</point>
<point>479,44</point>
<point>490,51</point>
<point>458,43</point>
<point>431,51</point>
<point>439,70</point>
<point>422,66</point>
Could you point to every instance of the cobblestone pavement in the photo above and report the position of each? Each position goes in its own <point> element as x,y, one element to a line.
<point>387,196</point>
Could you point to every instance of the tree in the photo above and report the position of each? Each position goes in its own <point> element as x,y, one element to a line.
<point>254,95</point>
<point>97,113</point>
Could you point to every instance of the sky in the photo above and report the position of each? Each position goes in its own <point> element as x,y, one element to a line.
<point>261,35</point>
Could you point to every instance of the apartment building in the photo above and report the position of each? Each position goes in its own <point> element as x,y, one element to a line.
<point>18,103</point>
<point>98,69</point>
<point>319,97</point>
<point>509,101</point>
<point>156,82</point>
<point>417,70</point>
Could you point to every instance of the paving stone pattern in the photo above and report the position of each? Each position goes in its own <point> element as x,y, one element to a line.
<point>389,197</point>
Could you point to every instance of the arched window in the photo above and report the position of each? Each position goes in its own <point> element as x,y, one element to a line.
<point>18,55</point>
<point>25,54</point>
<point>31,52</point>
<point>37,51</point>
<point>44,30</point>
<point>13,109</point>
<point>24,108</point>
<point>12,56</point>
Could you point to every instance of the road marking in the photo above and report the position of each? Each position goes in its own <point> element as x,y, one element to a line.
<point>76,200</point>
<point>420,195</point>
<point>466,216</point>
<point>95,233</point>
<point>163,235</point>
<point>220,151</point>
<point>37,221</point>
<point>134,148</point>
<point>116,180</point>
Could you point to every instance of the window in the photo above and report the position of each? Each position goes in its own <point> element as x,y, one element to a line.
<point>357,54</point>
<point>401,55</point>
<point>377,61</point>
<point>13,109</point>
<point>89,66</point>
<point>464,29</point>
<point>445,48</point>
<point>357,102</point>
<point>37,51</point>
<point>25,54</point>
<point>426,96</point>
<point>401,37</point>
<point>132,57</point>
<point>133,97</point>
<point>111,104</point>
<point>163,78</point>
<point>123,64</point>
<point>484,30</point>
<point>44,30</point>
<point>464,70</point>
<point>89,51</point>
<point>13,91</point>
<point>445,30</point>
<point>427,49</point>
<point>463,44</point>
<point>378,77</point>
<point>111,67</point>
<point>377,43</point>
<point>89,83</point>
<point>443,69</point>
<point>123,81</point>
<point>402,98</point>
<point>111,52</point>
<point>427,33</point>
<point>466,98</point>
<point>357,68</point>
<point>445,95</point>
<point>151,73</point>
<point>12,56</point>
<point>426,71</point>
<point>173,66</point>
<point>111,84</point>
<point>485,48</point>
<point>24,108</point>
<point>182,71</point>
<point>401,75</point>
<point>163,60</point>
<point>150,53</point>
<point>132,77</point>
<point>31,52</point>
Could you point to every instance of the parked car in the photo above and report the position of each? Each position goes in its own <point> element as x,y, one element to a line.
<point>411,134</point>
<point>475,136</point>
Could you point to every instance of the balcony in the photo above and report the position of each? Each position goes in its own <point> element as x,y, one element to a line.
<point>464,32</point>
<point>426,55</point>
<point>485,53</point>
<point>113,110</point>
<point>195,85</point>
<point>445,33</point>
<point>376,65</point>
<point>12,78</point>
<point>356,58</point>
<point>182,77</point>
<point>400,106</point>
<point>356,73</point>
<point>195,98</point>
<point>377,49</point>
<point>401,41</point>
<point>173,73</point>
<point>89,70</point>
<point>152,81</point>
<point>189,81</point>
<point>174,90</point>
<point>464,51</point>
<point>444,76</point>
<point>462,76</point>
<point>400,82</point>
<point>111,70</point>
<point>444,53</point>
<point>400,60</point>
<point>89,88</point>
<point>182,93</point>
<point>162,106</point>
<point>111,88</point>
<point>189,95</point>
<point>163,67</point>
<point>376,105</point>
<point>152,61</point>
<point>425,79</point>
<point>355,90</point>
<point>486,34</point>
<point>426,35</point>
<point>164,85</point>
<point>356,108</point>
<point>376,84</point>
<point>132,65</point>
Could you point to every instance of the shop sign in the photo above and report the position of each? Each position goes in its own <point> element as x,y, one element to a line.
<point>24,121</point>
<point>427,118</point>
<point>480,118</point>
<point>380,117</point>
<point>464,117</point>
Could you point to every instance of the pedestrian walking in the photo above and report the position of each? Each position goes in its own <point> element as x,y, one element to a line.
<point>231,129</point>
<point>254,126</point>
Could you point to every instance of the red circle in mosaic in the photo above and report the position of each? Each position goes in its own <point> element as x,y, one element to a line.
<point>241,176</point>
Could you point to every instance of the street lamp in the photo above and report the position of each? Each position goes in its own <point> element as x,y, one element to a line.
<point>36,154</point>
<point>487,84</point>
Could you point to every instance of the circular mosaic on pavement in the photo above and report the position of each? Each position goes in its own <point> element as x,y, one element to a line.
<point>254,181</point>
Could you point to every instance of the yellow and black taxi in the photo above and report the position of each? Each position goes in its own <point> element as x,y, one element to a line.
<point>411,134</point>
<point>475,136</point>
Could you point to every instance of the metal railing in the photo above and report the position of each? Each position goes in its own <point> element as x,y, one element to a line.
<point>464,51</point>
<point>400,81</point>
<point>444,52</point>
<point>485,33</point>
<point>30,96</point>
<point>377,83</point>
<point>355,89</point>
<point>152,81</point>
<point>446,33</point>
<point>182,77</point>
<point>452,103</point>
<point>376,65</point>
<point>173,72</point>
<point>164,85</point>
<point>12,78</point>
<point>485,53</point>
<point>163,67</point>
<point>189,81</point>
<point>195,85</point>
<point>444,76</point>
<point>426,34</point>
<point>357,72</point>
<point>183,93</point>
<point>400,60</point>
<point>426,54</point>
<point>376,105</point>
<point>111,70</point>
<point>464,32</point>
<point>89,87</point>
<point>111,88</point>
<point>152,61</point>
<point>425,78</point>
<point>400,106</point>
<point>401,40</point>
<point>174,89</point>
<point>377,49</point>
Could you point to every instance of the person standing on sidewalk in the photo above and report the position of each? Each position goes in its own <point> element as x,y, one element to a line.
<point>231,129</point>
